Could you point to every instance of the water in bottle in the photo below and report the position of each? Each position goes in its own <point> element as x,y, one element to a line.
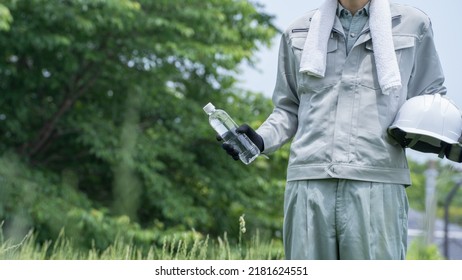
<point>226,128</point>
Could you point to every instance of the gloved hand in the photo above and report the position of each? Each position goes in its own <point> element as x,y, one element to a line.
<point>253,136</point>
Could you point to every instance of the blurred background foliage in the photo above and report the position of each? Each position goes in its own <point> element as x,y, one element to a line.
<point>102,132</point>
<point>101,121</point>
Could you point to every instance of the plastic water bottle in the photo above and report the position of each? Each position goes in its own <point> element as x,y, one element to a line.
<point>226,128</point>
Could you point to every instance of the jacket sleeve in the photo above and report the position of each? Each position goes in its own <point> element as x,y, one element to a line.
<point>282,123</point>
<point>427,75</point>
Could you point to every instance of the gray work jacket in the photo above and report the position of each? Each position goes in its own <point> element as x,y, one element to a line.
<point>338,124</point>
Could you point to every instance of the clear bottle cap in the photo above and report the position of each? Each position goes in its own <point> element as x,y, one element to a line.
<point>209,108</point>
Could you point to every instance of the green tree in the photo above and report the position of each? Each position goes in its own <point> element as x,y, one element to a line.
<point>416,192</point>
<point>5,18</point>
<point>448,177</point>
<point>101,104</point>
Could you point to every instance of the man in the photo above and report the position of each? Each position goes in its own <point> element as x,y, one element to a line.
<point>344,71</point>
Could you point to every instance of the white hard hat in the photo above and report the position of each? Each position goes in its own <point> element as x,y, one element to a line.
<point>427,123</point>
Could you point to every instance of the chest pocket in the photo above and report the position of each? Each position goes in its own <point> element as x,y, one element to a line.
<point>404,49</point>
<point>308,83</point>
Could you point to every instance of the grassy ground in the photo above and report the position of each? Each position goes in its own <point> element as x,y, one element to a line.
<point>200,249</point>
<point>175,249</point>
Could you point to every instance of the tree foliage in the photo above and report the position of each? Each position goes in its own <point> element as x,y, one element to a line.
<point>101,116</point>
<point>447,179</point>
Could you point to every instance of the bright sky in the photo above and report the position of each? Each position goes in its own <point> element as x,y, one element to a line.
<point>448,40</point>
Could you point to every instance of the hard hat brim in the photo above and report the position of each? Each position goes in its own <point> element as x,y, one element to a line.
<point>425,133</point>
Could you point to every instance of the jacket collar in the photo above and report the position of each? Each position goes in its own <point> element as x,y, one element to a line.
<point>396,15</point>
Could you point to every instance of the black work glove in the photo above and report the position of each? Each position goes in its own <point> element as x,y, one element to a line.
<point>253,136</point>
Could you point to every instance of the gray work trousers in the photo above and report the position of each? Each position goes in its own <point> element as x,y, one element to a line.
<point>345,219</point>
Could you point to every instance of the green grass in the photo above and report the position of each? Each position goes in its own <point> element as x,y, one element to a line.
<point>171,249</point>
<point>419,250</point>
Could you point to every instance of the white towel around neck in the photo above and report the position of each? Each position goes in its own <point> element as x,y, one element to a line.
<point>314,56</point>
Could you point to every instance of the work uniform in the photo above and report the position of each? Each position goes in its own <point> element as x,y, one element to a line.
<point>344,167</point>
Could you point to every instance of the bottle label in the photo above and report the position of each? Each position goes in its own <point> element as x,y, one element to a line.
<point>220,128</point>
